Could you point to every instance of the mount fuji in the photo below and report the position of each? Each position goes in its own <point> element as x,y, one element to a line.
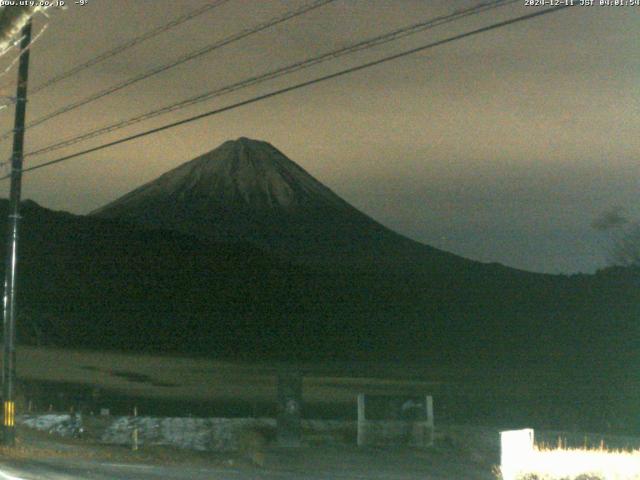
<point>248,191</point>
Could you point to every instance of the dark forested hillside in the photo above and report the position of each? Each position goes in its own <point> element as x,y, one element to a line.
<point>93,283</point>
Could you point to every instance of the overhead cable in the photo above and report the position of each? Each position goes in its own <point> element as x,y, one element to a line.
<point>276,73</point>
<point>298,86</point>
<point>179,61</point>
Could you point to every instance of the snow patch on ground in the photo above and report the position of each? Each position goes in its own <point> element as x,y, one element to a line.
<point>65,425</point>
<point>202,434</point>
<point>189,433</point>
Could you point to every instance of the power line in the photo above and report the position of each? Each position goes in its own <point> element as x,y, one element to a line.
<point>124,46</point>
<point>128,44</point>
<point>300,65</point>
<point>11,265</point>
<point>9,100</point>
<point>185,58</point>
<point>299,86</point>
<point>16,60</point>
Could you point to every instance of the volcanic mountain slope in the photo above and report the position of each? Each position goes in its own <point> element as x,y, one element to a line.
<point>97,283</point>
<point>93,283</point>
<point>408,299</point>
<point>247,190</point>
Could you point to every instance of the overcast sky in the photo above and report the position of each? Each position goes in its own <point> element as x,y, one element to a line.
<point>501,147</point>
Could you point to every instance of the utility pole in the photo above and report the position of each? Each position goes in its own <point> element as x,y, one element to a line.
<point>11,268</point>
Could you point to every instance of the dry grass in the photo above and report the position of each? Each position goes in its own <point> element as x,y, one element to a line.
<point>184,378</point>
<point>561,463</point>
<point>252,445</point>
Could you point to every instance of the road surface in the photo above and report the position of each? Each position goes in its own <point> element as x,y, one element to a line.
<point>303,464</point>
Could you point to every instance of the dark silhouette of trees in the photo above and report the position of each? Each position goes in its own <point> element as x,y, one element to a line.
<point>626,247</point>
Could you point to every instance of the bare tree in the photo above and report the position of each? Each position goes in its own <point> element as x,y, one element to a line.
<point>12,19</point>
<point>626,247</point>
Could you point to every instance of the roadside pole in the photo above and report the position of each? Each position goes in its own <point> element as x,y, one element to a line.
<point>9,351</point>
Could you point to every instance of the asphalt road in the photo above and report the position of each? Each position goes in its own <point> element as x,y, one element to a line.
<point>305,464</point>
